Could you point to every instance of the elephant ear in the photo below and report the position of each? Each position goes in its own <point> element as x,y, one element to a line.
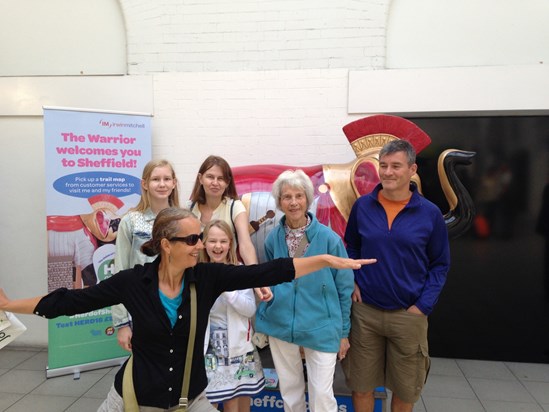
<point>364,175</point>
<point>375,131</point>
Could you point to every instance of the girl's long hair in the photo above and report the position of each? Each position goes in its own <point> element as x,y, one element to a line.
<point>145,201</point>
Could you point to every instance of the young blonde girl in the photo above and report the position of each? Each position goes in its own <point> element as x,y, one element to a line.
<point>158,191</point>
<point>232,364</point>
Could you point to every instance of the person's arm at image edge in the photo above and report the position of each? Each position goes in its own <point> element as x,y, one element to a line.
<point>24,306</point>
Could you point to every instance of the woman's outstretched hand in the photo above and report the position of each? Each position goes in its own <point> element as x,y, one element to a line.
<point>3,299</point>
<point>25,306</point>
<point>347,263</point>
<point>310,264</point>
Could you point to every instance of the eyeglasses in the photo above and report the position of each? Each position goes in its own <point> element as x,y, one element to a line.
<point>190,240</point>
<point>289,198</point>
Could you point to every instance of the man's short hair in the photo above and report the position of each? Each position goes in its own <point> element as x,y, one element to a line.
<point>399,145</point>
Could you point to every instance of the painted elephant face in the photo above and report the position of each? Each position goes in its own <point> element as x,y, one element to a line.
<point>103,224</point>
<point>364,175</point>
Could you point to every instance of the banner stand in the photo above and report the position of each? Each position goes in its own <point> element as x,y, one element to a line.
<point>76,369</point>
<point>94,161</point>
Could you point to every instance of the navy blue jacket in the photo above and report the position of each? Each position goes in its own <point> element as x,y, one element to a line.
<point>413,257</point>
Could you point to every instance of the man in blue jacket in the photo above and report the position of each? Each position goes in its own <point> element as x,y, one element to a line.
<point>392,299</point>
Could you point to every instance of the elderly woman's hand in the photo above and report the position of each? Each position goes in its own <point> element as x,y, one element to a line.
<point>343,348</point>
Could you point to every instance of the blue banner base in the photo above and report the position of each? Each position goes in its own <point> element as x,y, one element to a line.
<point>270,400</point>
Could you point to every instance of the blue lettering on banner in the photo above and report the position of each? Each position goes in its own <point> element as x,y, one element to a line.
<point>270,400</point>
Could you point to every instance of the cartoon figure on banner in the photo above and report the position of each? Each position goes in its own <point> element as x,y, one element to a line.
<point>337,186</point>
<point>81,247</point>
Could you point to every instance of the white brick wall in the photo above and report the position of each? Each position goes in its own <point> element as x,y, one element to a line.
<point>237,35</point>
<point>286,117</point>
<point>254,81</point>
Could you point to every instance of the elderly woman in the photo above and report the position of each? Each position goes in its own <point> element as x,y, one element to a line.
<point>312,312</point>
<point>157,295</point>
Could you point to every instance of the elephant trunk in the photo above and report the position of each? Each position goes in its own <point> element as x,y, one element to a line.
<point>462,210</point>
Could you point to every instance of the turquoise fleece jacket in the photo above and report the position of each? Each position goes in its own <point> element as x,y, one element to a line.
<point>312,311</point>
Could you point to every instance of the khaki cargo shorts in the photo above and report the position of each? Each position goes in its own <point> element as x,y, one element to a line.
<point>388,348</point>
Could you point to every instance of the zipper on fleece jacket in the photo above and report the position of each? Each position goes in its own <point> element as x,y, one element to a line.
<point>294,307</point>
<point>326,301</point>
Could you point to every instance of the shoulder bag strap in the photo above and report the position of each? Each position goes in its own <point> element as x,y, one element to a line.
<point>128,393</point>
<point>302,245</point>
<point>232,221</point>
<point>184,399</point>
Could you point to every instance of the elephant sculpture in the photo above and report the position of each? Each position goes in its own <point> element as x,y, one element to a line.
<point>337,186</point>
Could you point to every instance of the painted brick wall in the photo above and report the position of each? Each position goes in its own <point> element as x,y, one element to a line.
<point>253,81</point>
<point>245,35</point>
<point>285,117</point>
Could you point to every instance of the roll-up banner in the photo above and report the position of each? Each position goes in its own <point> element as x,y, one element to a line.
<point>94,161</point>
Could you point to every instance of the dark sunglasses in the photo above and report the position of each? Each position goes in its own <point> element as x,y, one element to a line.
<point>190,240</point>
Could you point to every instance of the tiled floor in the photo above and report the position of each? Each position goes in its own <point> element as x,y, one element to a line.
<point>454,385</point>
